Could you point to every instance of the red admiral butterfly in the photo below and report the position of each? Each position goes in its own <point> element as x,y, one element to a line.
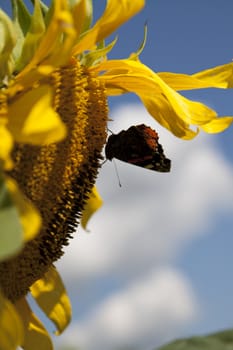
<point>138,145</point>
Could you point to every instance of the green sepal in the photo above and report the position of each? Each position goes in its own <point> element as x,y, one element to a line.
<point>7,43</point>
<point>96,56</point>
<point>46,11</point>
<point>44,8</point>
<point>11,237</point>
<point>21,22</point>
<point>135,55</point>
<point>21,15</point>
<point>33,37</point>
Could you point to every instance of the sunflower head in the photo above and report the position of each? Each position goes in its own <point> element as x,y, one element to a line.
<point>54,112</point>
<point>58,177</point>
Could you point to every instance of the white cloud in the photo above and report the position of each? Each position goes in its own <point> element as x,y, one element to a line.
<point>148,310</point>
<point>142,226</point>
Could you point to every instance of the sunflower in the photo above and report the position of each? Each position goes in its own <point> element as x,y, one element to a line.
<point>55,80</point>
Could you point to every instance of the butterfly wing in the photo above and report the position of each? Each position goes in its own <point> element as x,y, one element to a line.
<point>138,145</point>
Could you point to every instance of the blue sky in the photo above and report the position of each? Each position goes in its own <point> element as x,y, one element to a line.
<point>157,263</point>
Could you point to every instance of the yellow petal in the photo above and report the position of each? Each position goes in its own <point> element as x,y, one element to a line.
<point>93,203</point>
<point>6,144</point>
<point>36,336</point>
<point>29,216</point>
<point>82,15</point>
<point>189,82</point>
<point>116,13</point>
<point>26,81</point>
<point>161,109</point>
<point>217,125</point>
<point>222,75</point>
<point>169,108</point>
<point>50,294</point>
<point>32,118</point>
<point>59,36</point>
<point>11,328</point>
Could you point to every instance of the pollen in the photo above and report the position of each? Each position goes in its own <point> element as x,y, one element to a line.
<point>58,177</point>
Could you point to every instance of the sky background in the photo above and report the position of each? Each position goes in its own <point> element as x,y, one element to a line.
<point>157,262</point>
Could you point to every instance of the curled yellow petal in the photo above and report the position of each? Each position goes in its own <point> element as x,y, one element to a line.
<point>36,336</point>
<point>82,14</point>
<point>94,202</point>
<point>162,111</point>
<point>218,77</point>
<point>222,75</point>
<point>189,82</point>
<point>59,36</point>
<point>169,108</point>
<point>6,144</point>
<point>11,328</point>
<point>32,118</point>
<point>50,294</point>
<point>116,13</point>
<point>217,125</point>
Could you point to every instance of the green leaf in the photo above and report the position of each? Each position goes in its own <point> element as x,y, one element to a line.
<point>216,341</point>
<point>11,234</point>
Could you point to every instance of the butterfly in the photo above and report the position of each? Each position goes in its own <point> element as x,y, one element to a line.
<point>139,146</point>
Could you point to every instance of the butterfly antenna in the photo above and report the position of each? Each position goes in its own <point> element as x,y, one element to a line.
<point>117,173</point>
<point>110,131</point>
<point>103,162</point>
